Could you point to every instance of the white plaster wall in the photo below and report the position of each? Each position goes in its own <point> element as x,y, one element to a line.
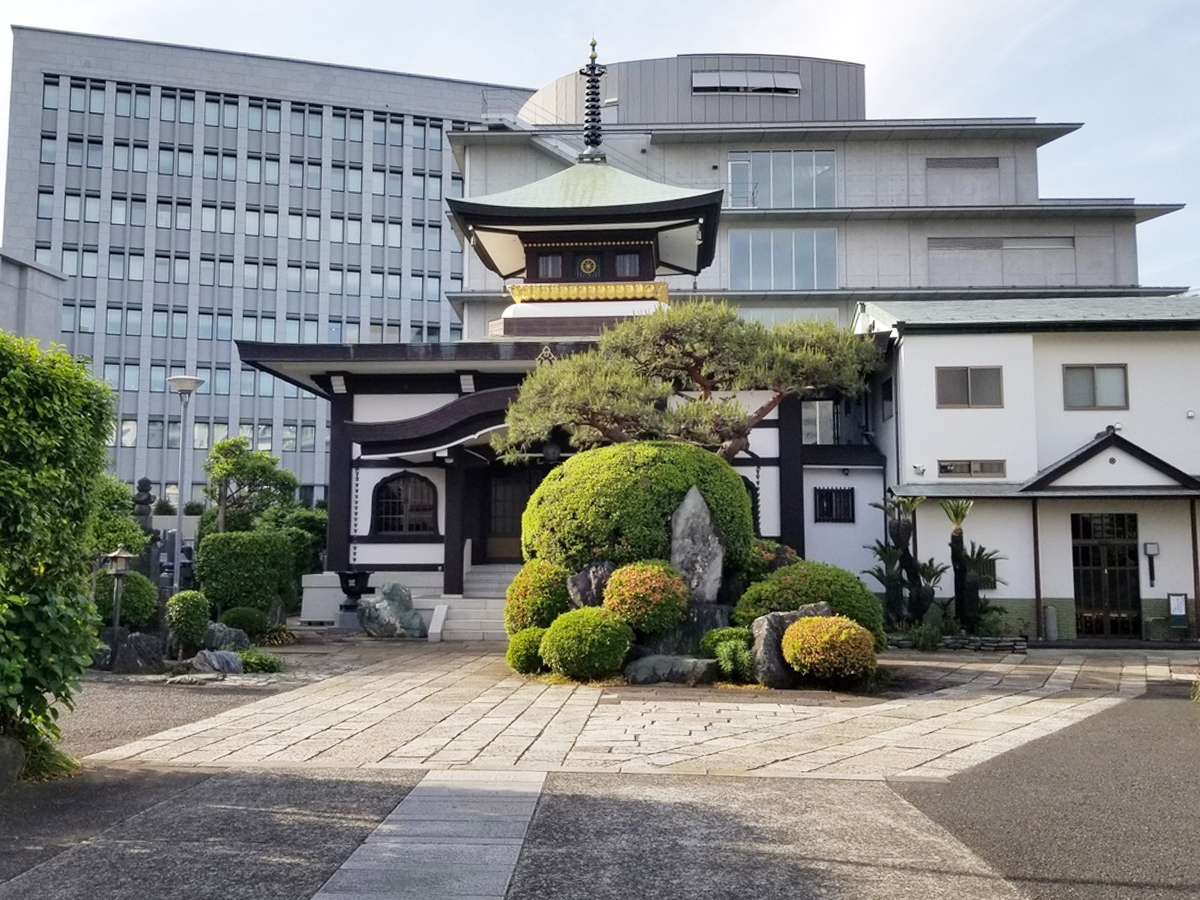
<point>767,479</point>
<point>397,554</point>
<point>362,499</point>
<point>1163,370</point>
<point>1166,521</point>
<point>396,407</point>
<point>844,544</point>
<point>930,434</point>
<point>1003,525</point>
<point>1114,467</point>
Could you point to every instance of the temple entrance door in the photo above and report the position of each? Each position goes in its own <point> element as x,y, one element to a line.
<point>508,492</point>
<point>1107,594</point>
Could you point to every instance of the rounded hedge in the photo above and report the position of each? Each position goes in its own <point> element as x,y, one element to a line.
<point>717,636</point>
<point>829,648</point>
<point>245,568</point>
<point>537,595</point>
<point>650,596</point>
<point>586,643</point>
<point>811,582</point>
<point>252,621</point>
<point>139,599</point>
<point>616,502</point>
<point>524,651</point>
<point>767,556</point>
<point>187,617</point>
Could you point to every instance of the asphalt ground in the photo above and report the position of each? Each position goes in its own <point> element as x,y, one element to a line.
<point>1107,809</point>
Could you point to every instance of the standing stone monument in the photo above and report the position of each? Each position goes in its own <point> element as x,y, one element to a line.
<point>696,548</point>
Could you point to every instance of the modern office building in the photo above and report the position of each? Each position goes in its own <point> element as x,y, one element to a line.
<point>193,197</point>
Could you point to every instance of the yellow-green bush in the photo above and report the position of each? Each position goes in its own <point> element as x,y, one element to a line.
<point>524,651</point>
<point>650,596</point>
<point>187,617</point>
<point>616,502</point>
<point>829,648</point>
<point>537,595</point>
<point>586,643</point>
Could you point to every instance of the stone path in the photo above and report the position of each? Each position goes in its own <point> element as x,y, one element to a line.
<point>459,707</point>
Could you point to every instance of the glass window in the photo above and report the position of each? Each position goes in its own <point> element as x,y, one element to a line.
<point>271,171</point>
<point>137,267</point>
<point>89,265</point>
<point>212,111</point>
<point>158,323</point>
<point>164,215</point>
<point>229,114</point>
<point>116,266</point>
<point>50,94</point>
<point>173,429</point>
<point>183,217</point>
<point>204,326</point>
<point>119,213</point>
<point>166,161</point>
<point>129,432</point>
<point>308,438</point>
<point>200,435</point>
<point>112,320</point>
<point>248,382</point>
<point>131,377</point>
<point>95,154</point>
<point>187,109</point>
<point>137,212</point>
<point>181,270</point>
<point>405,504</point>
<point>91,209</point>
<point>133,322</point>
<point>209,165</point>
<point>1095,387</point>
<point>154,433</point>
<point>120,159</point>
<point>250,275</point>
<point>124,101</point>
<point>49,150</point>
<point>208,272</point>
<point>184,165</point>
<point>228,167</point>
<point>254,115</point>
<point>72,207</point>
<point>166,107</point>
<point>179,324</point>
<point>208,218</point>
<point>76,98</point>
<point>221,381</point>
<point>158,378</point>
<point>796,259</point>
<point>270,277</point>
<point>141,158</point>
<point>224,327</point>
<point>288,437</point>
<point>263,439</point>
<point>297,120</point>
<point>141,104</point>
<point>74,153</point>
<point>45,205</point>
<point>273,116</point>
<point>980,386</point>
<point>312,279</point>
<point>87,319</point>
<point>227,219</point>
<point>296,174</point>
<point>254,169</point>
<point>267,329</point>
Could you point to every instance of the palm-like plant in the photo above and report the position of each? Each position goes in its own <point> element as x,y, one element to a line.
<point>957,511</point>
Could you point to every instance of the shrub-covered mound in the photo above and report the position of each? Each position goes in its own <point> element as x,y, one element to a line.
<point>139,599</point>
<point>811,582</point>
<point>252,621</point>
<point>650,596</point>
<point>767,556</point>
<point>718,636</point>
<point>536,596</point>
<point>245,568</point>
<point>524,651</point>
<point>586,643</point>
<point>187,617</point>
<point>616,503</point>
<point>829,648</point>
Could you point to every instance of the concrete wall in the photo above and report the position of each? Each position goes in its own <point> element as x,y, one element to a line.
<point>30,299</point>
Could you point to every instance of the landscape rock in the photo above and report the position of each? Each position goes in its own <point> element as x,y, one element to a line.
<point>770,668</point>
<point>225,662</point>
<point>277,614</point>
<point>684,638</point>
<point>140,654</point>
<point>389,613</point>
<point>109,637</point>
<point>222,637</point>
<point>673,669</point>
<point>696,547</point>
<point>586,587</point>
<point>201,678</point>
<point>12,759</point>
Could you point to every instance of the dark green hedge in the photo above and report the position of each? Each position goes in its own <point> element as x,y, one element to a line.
<point>616,503</point>
<point>245,568</point>
<point>139,599</point>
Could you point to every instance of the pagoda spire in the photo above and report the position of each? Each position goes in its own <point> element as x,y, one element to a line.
<point>592,138</point>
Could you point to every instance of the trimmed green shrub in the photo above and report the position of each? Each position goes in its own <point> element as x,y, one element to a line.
<point>829,648</point>
<point>55,420</point>
<point>811,582</point>
<point>524,651</point>
<point>252,621</point>
<point>926,637</point>
<point>139,599</point>
<point>256,660</point>
<point>536,596</point>
<point>767,556</point>
<point>244,568</point>
<point>187,617</point>
<point>650,596</point>
<point>711,640</point>
<point>736,660</point>
<point>586,643</point>
<point>616,503</point>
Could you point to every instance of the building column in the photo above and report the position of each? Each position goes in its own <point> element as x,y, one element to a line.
<point>455,535</point>
<point>791,474</point>
<point>337,538</point>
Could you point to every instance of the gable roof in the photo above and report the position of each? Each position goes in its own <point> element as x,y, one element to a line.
<point>1109,440</point>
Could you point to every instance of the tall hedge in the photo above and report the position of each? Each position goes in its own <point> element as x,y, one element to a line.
<point>616,503</point>
<point>245,568</point>
<point>55,420</point>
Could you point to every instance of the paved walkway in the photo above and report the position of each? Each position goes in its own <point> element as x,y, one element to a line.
<point>459,707</point>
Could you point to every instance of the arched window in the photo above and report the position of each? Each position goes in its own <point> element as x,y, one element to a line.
<point>405,504</point>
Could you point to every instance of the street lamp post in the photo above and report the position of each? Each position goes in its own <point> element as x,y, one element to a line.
<point>185,386</point>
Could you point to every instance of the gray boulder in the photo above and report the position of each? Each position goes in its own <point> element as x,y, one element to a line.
<point>225,662</point>
<point>389,613</point>
<point>696,547</point>
<point>140,654</point>
<point>586,587</point>
<point>770,668</point>
<point>12,759</point>
<point>109,638</point>
<point>673,669</point>
<point>222,637</point>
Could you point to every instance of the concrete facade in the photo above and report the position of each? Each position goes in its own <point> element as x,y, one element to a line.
<point>30,297</point>
<point>109,162</point>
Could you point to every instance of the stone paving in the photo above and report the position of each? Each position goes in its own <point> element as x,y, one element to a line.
<point>457,706</point>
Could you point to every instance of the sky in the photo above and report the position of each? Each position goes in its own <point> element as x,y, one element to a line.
<point>1126,69</point>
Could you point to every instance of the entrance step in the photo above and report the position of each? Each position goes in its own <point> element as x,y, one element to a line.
<point>489,581</point>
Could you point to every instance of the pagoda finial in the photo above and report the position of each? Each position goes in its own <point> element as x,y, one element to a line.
<point>591,110</point>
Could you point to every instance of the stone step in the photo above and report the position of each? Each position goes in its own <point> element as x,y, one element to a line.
<point>449,634</point>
